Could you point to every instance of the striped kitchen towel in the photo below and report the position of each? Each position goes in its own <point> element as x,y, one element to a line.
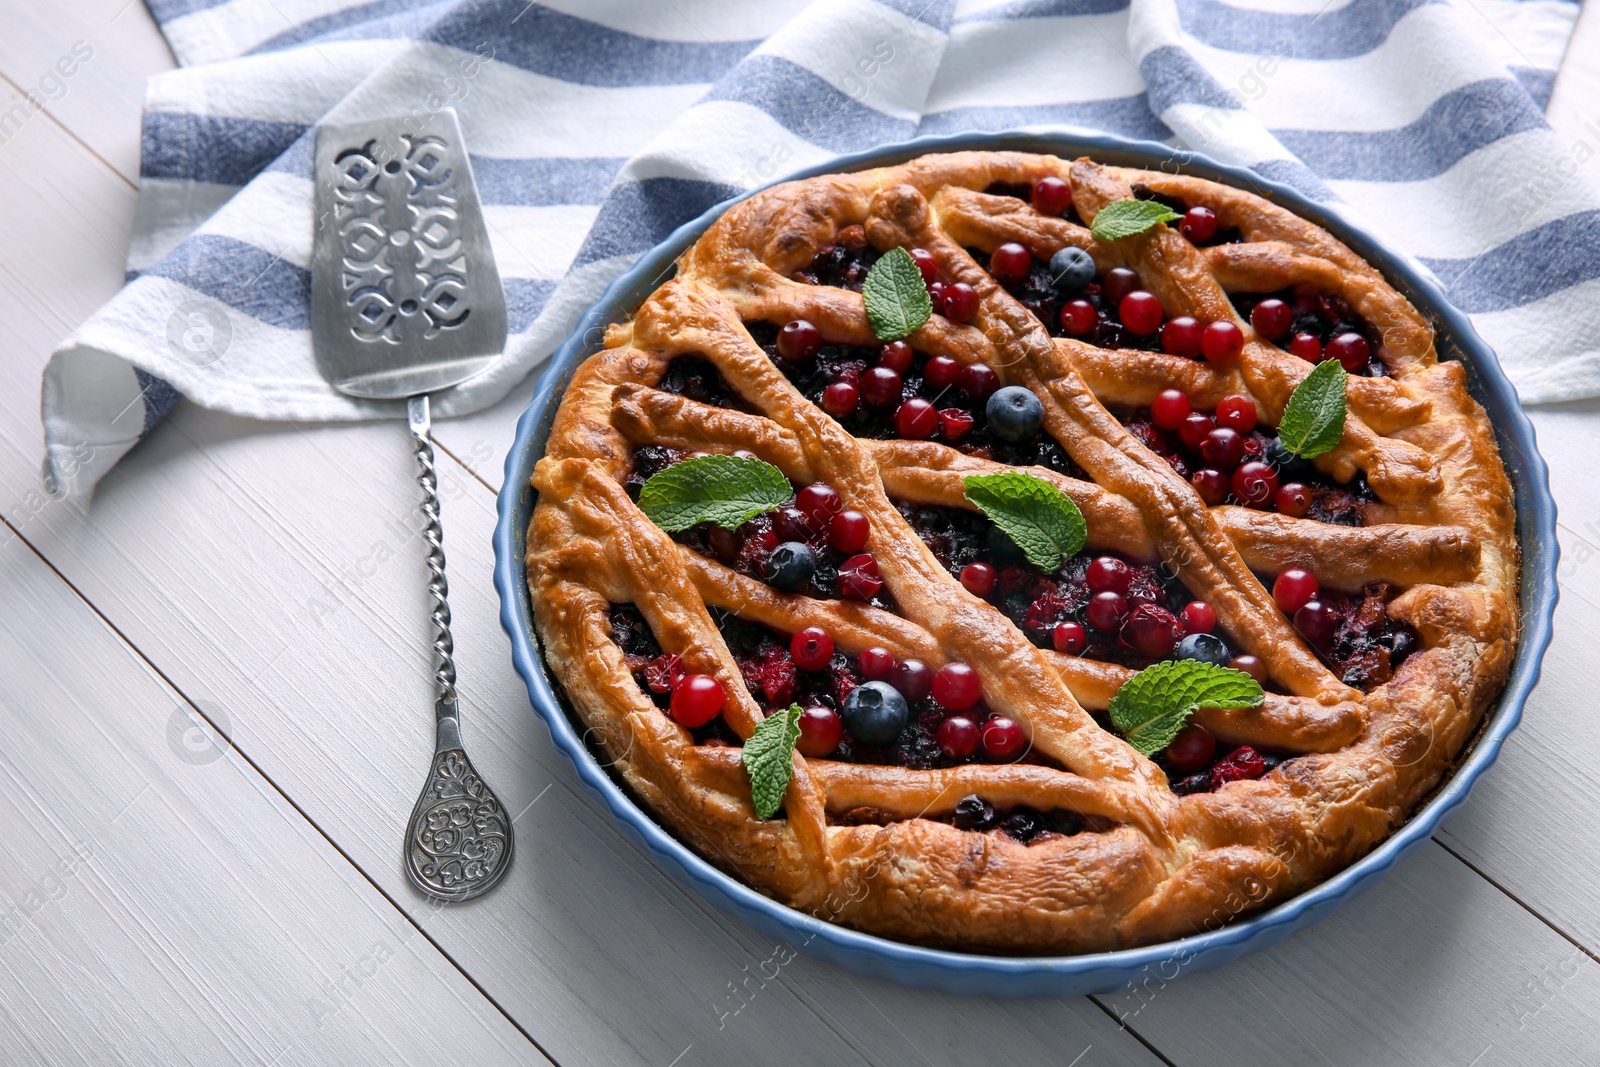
<point>597,126</point>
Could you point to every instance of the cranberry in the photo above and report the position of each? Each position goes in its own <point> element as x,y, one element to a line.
<point>1192,750</point>
<point>821,730</point>
<point>913,678</point>
<point>820,501</point>
<point>840,399</point>
<point>1070,638</point>
<point>1141,312</point>
<point>1194,429</point>
<point>1307,347</point>
<point>1241,764</point>
<point>1118,283</point>
<point>880,387</point>
<point>1351,350</point>
<point>978,578</point>
<point>725,543</point>
<point>876,663</point>
<point>1078,317</point>
<point>957,686</point>
<point>954,423</point>
<point>1199,224</point>
<point>1151,631</point>
<point>859,577</point>
<point>1315,622</point>
<point>1272,318</point>
<point>1003,739</point>
<point>958,737</point>
<point>696,700</point>
<point>1237,413</point>
<point>1251,666</point>
<point>811,648</point>
<point>848,531</point>
<point>1294,500</point>
<point>978,380</point>
<point>791,524</point>
<point>798,341</point>
<point>1169,409</point>
<point>1222,448</point>
<point>916,419</point>
<point>896,355</point>
<point>1051,196</point>
<point>664,672</point>
<point>1221,342</point>
<point>1199,617</point>
<point>936,297</point>
<point>1181,337</point>
<point>1211,484</point>
<point>1106,612</point>
<point>1010,264</point>
<point>926,264</point>
<point>940,371</point>
<point>1108,574</point>
<point>960,302</point>
<point>1255,483</point>
<point>1295,588</point>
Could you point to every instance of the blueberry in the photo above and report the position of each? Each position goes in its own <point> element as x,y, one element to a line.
<point>974,813</point>
<point>1015,414</point>
<point>874,712</point>
<point>1022,825</point>
<point>1290,467</point>
<point>790,566</point>
<point>1071,269</point>
<point>1205,648</point>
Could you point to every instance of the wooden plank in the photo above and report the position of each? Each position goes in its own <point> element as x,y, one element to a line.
<point>163,903</point>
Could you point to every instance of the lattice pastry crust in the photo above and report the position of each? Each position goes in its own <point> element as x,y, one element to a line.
<point>1160,866</point>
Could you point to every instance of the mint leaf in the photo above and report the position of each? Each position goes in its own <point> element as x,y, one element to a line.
<point>1152,706</point>
<point>768,759</point>
<point>1313,420</point>
<point>1124,218</point>
<point>726,490</point>
<point>897,297</point>
<point>1041,519</point>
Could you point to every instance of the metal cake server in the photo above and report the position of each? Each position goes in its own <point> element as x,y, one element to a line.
<point>406,300</point>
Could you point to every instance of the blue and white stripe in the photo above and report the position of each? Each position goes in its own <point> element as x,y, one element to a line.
<point>598,126</point>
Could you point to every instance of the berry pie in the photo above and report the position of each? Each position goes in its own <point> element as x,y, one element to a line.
<point>1012,554</point>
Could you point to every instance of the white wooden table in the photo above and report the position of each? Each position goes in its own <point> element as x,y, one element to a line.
<point>169,897</point>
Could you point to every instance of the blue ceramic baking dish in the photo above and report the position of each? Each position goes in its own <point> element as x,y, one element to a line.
<point>1053,976</point>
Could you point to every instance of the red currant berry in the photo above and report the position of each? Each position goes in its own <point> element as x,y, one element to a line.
<point>1003,739</point>
<point>1221,342</point>
<point>978,579</point>
<point>1108,574</point>
<point>1106,611</point>
<point>798,341</point>
<point>1169,409</point>
<point>821,730</point>
<point>1237,413</point>
<point>936,297</point>
<point>960,302</point>
<point>1078,317</point>
<point>1151,631</point>
<point>1315,622</point>
<point>957,686</point>
<point>1272,318</point>
<point>820,501</point>
<point>1222,448</point>
<point>1251,666</point>
<point>896,355</point>
<point>1351,350</point>
<point>725,543</point>
<point>663,673</point>
<point>1181,337</point>
<point>954,423</point>
<point>840,399</point>
<point>1010,264</point>
<point>1198,617</point>
<point>940,371</point>
<point>696,700</point>
<point>880,387</point>
<point>859,577</point>
<point>1307,347</point>
<point>926,264</point>
<point>1294,500</point>
<point>1051,196</point>
<point>1192,750</point>
<point>916,419</point>
<point>791,524</point>
<point>913,678</point>
<point>1294,589</point>
<point>1211,484</point>
<point>811,648</point>
<point>876,663</point>
<point>1255,483</point>
<point>1199,224</point>
<point>1194,429</point>
<point>848,531</point>
<point>1118,283</point>
<point>1069,637</point>
<point>978,380</point>
<point>1141,312</point>
<point>957,737</point>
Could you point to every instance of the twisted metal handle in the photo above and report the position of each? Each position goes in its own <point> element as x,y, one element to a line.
<point>443,647</point>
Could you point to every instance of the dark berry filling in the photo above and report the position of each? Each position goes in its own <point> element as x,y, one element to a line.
<point>1315,326</point>
<point>697,378</point>
<point>1363,645</point>
<point>843,264</point>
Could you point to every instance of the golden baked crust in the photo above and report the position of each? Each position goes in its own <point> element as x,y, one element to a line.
<point>1162,866</point>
